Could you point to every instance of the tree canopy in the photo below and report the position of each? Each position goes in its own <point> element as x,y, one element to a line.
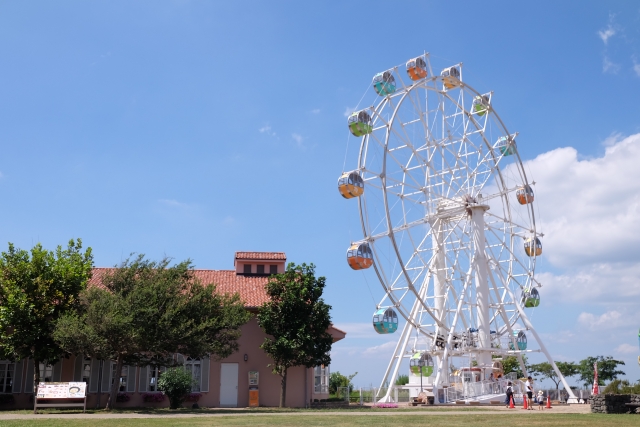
<point>607,369</point>
<point>545,370</point>
<point>337,380</point>
<point>36,288</point>
<point>145,311</point>
<point>296,319</point>
<point>511,364</point>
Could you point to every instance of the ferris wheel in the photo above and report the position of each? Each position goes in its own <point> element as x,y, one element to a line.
<point>448,222</point>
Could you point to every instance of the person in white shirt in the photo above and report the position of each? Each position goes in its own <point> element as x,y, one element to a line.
<point>529,389</point>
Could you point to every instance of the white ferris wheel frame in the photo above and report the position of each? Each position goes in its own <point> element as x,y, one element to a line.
<point>484,267</point>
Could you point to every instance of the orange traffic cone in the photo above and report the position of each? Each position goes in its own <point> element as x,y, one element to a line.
<point>524,402</point>
<point>548,402</point>
<point>511,405</point>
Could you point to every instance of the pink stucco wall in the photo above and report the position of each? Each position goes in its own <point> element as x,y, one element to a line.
<point>299,389</point>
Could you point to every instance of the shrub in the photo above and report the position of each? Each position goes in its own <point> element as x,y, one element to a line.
<point>123,397</point>
<point>153,397</point>
<point>193,397</point>
<point>402,380</point>
<point>176,384</point>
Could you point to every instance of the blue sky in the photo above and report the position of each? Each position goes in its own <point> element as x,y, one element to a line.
<point>195,129</point>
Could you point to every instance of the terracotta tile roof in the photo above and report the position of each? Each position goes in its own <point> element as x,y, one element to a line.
<point>250,288</point>
<point>261,255</point>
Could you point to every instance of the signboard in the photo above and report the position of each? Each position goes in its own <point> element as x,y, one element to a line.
<point>75,390</point>
<point>253,378</point>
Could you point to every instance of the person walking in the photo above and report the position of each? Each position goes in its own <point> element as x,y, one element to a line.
<point>509,393</point>
<point>529,389</point>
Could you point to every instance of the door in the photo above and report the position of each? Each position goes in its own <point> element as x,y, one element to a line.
<point>229,385</point>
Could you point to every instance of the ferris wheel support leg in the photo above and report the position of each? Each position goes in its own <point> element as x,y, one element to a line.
<point>398,354</point>
<point>482,287</point>
<point>529,326</point>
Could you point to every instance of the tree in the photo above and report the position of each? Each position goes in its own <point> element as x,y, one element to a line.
<point>606,369</point>
<point>296,319</point>
<point>511,364</point>
<point>545,370</point>
<point>146,311</point>
<point>337,380</point>
<point>402,380</point>
<point>37,287</point>
<point>175,383</point>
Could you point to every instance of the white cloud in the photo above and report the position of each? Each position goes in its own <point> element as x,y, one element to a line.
<point>315,111</point>
<point>348,111</point>
<point>609,67</point>
<point>588,209</point>
<point>173,203</point>
<point>636,68</point>
<point>297,138</point>
<point>609,320</point>
<point>384,350</point>
<point>267,130</point>
<point>626,349</point>
<point>607,33</point>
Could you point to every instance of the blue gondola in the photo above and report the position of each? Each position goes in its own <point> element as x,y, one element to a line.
<point>384,83</point>
<point>385,321</point>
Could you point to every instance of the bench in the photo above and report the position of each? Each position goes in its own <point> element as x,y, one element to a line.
<point>67,395</point>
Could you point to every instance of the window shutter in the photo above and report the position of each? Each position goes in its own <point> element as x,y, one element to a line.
<point>204,374</point>
<point>106,376</point>
<point>131,379</point>
<point>17,377</point>
<point>57,371</point>
<point>28,381</point>
<point>77,368</point>
<point>93,375</point>
<point>144,379</point>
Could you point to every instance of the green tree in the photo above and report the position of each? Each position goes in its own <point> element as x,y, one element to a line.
<point>607,369</point>
<point>337,380</point>
<point>402,380</point>
<point>296,319</point>
<point>36,288</point>
<point>544,370</point>
<point>622,387</point>
<point>147,311</point>
<point>175,383</point>
<point>511,364</point>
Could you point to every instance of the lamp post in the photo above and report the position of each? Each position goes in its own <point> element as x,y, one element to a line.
<point>421,365</point>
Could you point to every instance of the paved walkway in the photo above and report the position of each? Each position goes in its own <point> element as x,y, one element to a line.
<point>566,409</point>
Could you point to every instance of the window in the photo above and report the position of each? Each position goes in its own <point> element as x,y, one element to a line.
<point>247,269</point>
<point>123,376</point>
<point>193,366</point>
<point>273,269</point>
<point>321,374</point>
<point>154,376</point>
<point>46,373</point>
<point>86,369</point>
<point>260,269</point>
<point>6,376</point>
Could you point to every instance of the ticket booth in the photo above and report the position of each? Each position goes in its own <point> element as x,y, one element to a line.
<point>254,396</point>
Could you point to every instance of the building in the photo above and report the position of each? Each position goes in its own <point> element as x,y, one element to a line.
<point>222,383</point>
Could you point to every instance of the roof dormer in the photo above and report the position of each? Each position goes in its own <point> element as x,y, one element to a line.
<point>259,263</point>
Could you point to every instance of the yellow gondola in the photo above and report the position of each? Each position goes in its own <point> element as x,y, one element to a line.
<point>533,247</point>
<point>450,77</point>
<point>350,185</point>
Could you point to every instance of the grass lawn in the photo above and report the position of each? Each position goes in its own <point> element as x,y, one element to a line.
<point>315,418</point>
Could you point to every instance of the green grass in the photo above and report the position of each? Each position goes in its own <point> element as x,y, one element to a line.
<point>308,419</point>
